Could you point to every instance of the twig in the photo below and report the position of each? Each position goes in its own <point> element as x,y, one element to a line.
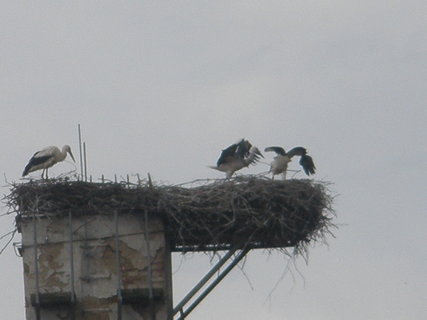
<point>9,241</point>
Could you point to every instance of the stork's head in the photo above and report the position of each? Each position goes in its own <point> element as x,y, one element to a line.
<point>67,149</point>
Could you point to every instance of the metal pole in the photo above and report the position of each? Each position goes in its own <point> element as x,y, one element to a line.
<point>214,283</point>
<point>204,280</point>
<point>72,289</point>
<point>149,268</point>
<point>85,163</point>
<point>36,269</point>
<point>81,154</point>
<point>119,274</point>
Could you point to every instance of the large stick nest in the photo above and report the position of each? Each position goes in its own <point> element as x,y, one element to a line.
<point>246,211</point>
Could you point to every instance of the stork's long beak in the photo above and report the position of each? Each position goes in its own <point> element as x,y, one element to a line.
<point>72,157</point>
<point>214,167</point>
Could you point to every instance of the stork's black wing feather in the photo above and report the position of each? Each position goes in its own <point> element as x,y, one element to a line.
<point>256,156</point>
<point>226,153</point>
<point>34,161</point>
<point>243,148</point>
<point>307,164</point>
<point>278,150</point>
<point>297,151</point>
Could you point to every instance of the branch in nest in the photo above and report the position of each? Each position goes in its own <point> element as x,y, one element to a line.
<point>245,211</point>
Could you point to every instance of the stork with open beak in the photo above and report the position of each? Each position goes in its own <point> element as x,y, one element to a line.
<point>236,157</point>
<point>46,158</point>
<point>279,165</point>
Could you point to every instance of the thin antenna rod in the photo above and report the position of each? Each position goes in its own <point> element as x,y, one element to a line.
<point>80,148</point>
<point>85,163</point>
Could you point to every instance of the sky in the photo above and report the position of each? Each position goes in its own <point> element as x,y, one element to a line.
<point>162,87</point>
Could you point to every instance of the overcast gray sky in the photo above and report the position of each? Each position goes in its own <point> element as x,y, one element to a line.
<point>162,87</point>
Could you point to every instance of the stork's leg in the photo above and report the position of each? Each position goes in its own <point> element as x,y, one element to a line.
<point>285,171</point>
<point>46,175</point>
<point>43,174</point>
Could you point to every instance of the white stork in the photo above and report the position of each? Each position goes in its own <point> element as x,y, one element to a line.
<point>236,157</point>
<point>279,165</point>
<point>46,158</point>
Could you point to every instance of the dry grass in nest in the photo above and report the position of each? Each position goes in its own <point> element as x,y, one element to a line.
<point>245,211</point>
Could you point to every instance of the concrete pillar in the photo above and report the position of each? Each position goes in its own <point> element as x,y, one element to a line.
<point>93,259</point>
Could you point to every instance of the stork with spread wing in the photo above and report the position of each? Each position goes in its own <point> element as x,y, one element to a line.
<point>237,156</point>
<point>279,165</point>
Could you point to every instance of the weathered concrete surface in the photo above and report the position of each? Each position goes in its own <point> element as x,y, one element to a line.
<point>95,266</point>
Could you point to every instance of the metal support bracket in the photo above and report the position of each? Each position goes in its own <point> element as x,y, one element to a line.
<point>180,306</point>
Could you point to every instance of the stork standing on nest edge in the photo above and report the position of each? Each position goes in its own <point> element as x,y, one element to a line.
<point>46,158</point>
<point>236,157</point>
<point>279,165</point>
